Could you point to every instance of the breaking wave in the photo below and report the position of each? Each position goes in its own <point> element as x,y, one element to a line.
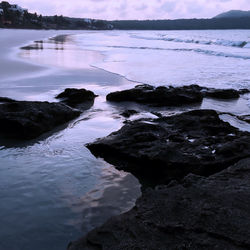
<point>200,51</point>
<point>219,42</point>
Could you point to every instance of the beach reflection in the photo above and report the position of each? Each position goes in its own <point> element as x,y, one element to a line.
<point>60,51</point>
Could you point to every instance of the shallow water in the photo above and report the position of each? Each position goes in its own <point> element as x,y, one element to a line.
<point>53,190</point>
<point>213,58</point>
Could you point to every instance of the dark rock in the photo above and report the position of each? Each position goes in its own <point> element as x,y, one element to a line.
<point>160,96</point>
<point>169,148</point>
<point>39,41</point>
<point>222,93</point>
<point>129,112</point>
<point>199,213</point>
<point>27,120</point>
<point>33,47</point>
<point>171,96</point>
<point>244,91</point>
<point>72,97</point>
<point>245,118</point>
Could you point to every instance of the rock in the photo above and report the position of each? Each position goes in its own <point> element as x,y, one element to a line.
<point>35,46</point>
<point>199,213</point>
<point>244,91</point>
<point>72,97</point>
<point>160,150</point>
<point>222,93</point>
<point>160,96</point>
<point>245,118</point>
<point>129,112</point>
<point>27,120</point>
<point>171,96</point>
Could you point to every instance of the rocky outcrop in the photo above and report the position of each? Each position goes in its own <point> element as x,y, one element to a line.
<point>160,96</point>
<point>171,96</point>
<point>27,120</point>
<point>198,213</point>
<point>245,118</point>
<point>160,150</point>
<point>73,97</point>
<point>129,112</point>
<point>222,93</point>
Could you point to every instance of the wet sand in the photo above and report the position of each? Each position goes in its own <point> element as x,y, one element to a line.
<point>53,190</point>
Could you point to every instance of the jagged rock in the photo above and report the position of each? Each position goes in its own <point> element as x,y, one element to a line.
<point>169,148</point>
<point>222,93</point>
<point>160,96</point>
<point>245,118</point>
<point>171,96</point>
<point>199,213</point>
<point>72,97</point>
<point>27,120</point>
<point>129,112</point>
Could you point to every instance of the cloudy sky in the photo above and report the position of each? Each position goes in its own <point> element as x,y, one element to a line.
<point>134,9</point>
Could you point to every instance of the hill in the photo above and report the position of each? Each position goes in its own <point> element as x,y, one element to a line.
<point>234,14</point>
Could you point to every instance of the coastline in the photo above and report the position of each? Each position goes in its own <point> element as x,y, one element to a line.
<point>15,39</point>
<point>58,178</point>
<point>96,80</point>
<point>21,72</point>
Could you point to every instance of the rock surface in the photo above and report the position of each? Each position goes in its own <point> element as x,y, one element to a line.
<point>199,213</point>
<point>72,97</point>
<point>245,118</point>
<point>27,120</point>
<point>160,96</point>
<point>169,148</point>
<point>129,112</point>
<point>171,96</point>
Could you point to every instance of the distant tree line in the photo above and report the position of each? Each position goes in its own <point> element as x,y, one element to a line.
<point>13,16</point>
<point>183,24</point>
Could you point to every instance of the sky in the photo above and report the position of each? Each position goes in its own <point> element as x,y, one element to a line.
<point>133,9</point>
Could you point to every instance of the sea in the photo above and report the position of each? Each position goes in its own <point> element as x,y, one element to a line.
<point>52,189</point>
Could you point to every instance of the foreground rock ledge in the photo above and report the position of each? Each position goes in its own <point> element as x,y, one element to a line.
<point>199,213</point>
<point>160,150</point>
<point>27,120</point>
<point>172,96</point>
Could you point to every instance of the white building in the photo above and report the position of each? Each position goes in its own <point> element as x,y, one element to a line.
<point>15,7</point>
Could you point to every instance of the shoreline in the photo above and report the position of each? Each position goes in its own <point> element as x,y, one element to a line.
<point>100,89</point>
<point>28,70</point>
<point>68,179</point>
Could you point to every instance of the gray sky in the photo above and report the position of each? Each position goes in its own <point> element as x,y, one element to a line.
<point>134,9</point>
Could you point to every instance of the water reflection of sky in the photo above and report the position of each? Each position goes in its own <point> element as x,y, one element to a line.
<point>53,190</point>
<point>60,53</point>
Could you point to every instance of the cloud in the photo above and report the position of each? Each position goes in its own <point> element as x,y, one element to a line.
<point>130,9</point>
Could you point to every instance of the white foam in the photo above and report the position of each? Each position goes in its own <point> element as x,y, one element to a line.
<point>208,58</point>
<point>220,42</point>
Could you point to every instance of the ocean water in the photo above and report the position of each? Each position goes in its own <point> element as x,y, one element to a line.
<point>214,58</point>
<point>52,189</point>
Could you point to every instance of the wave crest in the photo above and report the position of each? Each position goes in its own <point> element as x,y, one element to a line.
<point>219,42</point>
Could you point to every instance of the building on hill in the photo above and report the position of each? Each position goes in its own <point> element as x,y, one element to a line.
<point>16,8</point>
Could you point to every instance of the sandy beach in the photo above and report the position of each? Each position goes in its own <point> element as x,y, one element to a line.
<point>54,71</point>
<point>53,189</point>
<point>57,182</point>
